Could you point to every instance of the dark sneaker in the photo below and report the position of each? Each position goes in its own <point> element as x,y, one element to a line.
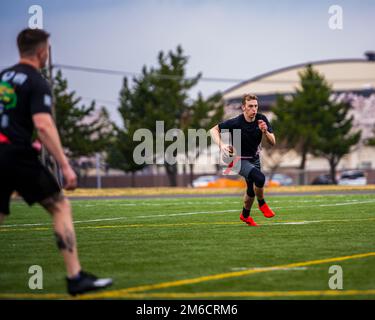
<point>86,282</point>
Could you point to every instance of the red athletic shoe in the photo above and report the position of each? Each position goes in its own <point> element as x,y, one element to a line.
<point>267,211</point>
<point>249,220</point>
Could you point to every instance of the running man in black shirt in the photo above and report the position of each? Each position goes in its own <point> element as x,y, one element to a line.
<point>25,105</point>
<point>253,127</point>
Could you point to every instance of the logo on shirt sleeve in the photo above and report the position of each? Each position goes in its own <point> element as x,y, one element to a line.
<point>47,100</point>
<point>8,97</point>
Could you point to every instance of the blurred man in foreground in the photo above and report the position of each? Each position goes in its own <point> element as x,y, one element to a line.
<point>25,105</point>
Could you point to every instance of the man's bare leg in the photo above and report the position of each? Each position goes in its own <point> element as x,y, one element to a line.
<point>259,192</point>
<point>247,204</point>
<point>78,281</point>
<point>61,212</point>
<point>248,201</point>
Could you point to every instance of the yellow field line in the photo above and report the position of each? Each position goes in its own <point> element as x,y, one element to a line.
<point>139,225</point>
<point>246,294</point>
<point>33,296</point>
<point>25,229</point>
<point>217,223</point>
<point>160,225</point>
<point>132,292</point>
<point>220,276</point>
<point>156,225</point>
<point>195,295</point>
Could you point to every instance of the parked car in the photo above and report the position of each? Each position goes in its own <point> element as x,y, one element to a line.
<point>203,181</point>
<point>323,179</point>
<point>353,178</point>
<point>279,179</point>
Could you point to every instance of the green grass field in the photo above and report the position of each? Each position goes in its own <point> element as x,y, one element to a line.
<point>197,248</point>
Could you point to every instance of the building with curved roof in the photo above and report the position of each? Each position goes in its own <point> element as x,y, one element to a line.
<point>345,75</point>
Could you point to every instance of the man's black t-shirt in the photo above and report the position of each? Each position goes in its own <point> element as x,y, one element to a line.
<point>23,93</point>
<point>251,135</point>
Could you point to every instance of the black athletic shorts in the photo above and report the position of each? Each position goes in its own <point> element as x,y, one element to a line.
<point>22,171</point>
<point>246,165</point>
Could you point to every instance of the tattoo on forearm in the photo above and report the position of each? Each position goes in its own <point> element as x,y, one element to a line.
<point>66,242</point>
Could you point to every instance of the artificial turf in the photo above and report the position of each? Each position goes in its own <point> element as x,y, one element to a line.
<point>150,241</point>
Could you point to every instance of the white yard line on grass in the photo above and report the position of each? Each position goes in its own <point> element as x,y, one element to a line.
<point>316,221</point>
<point>196,223</point>
<point>174,203</point>
<point>343,204</point>
<point>187,214</point>
<point>123,218</point>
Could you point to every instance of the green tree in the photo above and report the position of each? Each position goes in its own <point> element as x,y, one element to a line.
<point>120,154</point>
<point>311,122</point>
<point>202,114</point>
<point>83,129</point>
<point>133,104</point>
<point>336,137</point>
<point>161,94</point>
<point>298,120</point>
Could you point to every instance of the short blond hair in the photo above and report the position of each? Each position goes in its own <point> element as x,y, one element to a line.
<point>249,96</point>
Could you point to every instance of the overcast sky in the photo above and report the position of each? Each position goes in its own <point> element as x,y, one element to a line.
<point>223,38</point>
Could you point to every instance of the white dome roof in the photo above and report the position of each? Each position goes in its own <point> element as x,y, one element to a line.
<point>343,75</point>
